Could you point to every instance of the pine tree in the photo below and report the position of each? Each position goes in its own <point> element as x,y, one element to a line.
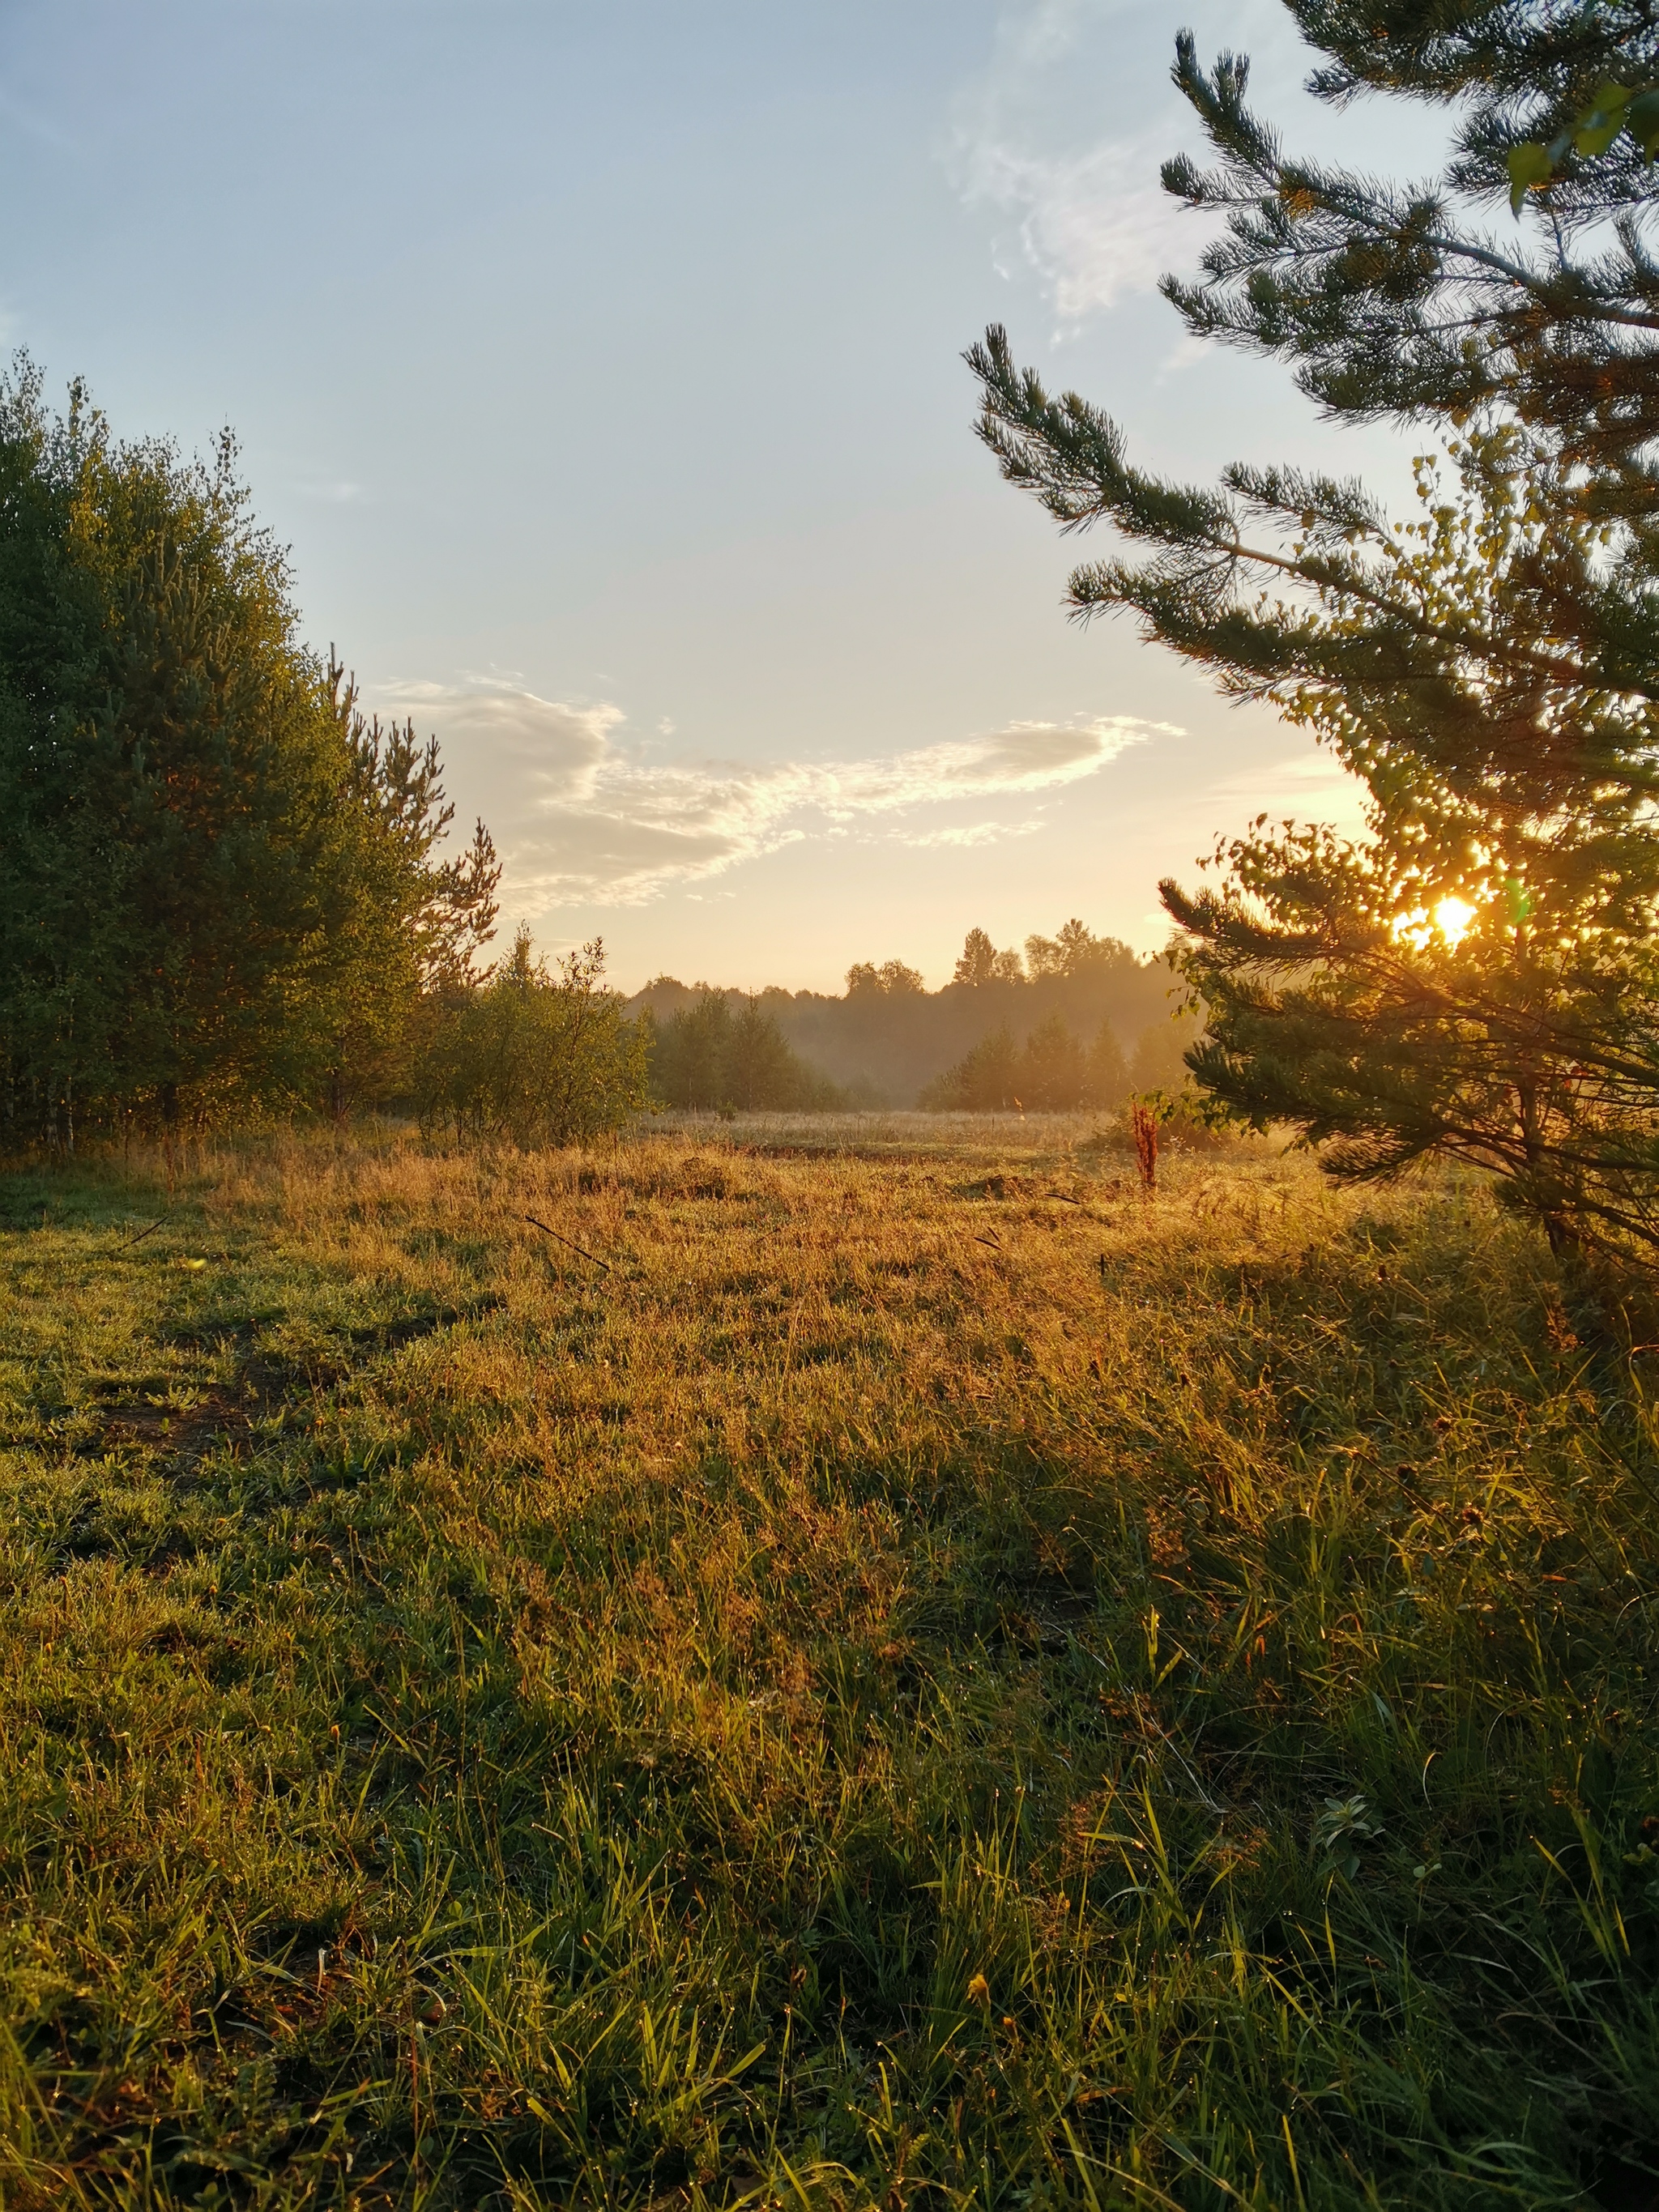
<point>1402,300</point>
<point>220,886</point>
<point>986,1078</point>
<point>1106,1082</point>
<point>1478,976</point>
<point>172,794</point>
<point>707,1055</point>
<point>412,919</point>
<point>1054,1068</point>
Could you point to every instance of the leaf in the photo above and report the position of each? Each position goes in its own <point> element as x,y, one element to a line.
<point>1643,122</point>
<point>1605,120</point>
<point>741,2065</point>
<point>1530,167</point>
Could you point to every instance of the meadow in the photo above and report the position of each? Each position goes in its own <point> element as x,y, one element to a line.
<point>854,1662</point>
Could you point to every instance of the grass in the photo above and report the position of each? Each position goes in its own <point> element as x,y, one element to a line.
<point>910,1677</point>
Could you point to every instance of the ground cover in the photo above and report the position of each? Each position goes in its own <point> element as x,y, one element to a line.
<point>850,1666</point>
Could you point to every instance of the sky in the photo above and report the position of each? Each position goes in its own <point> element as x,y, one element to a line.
<point>601,368</point>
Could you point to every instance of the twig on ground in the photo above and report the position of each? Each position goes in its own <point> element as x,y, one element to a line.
<point>128,1243</point>
<point>557,1239</point>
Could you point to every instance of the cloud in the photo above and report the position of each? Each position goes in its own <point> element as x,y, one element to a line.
<point>1084,211</point>
<point>975,833</point>
<point>580,820</point>
<point>1091,225</point>
<point>334,492</point>
<point>557,749</point>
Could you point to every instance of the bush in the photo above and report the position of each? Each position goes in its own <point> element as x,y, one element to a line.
<point>535,1057</point>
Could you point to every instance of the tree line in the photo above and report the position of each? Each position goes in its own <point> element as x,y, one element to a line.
<point>229,890</point>
<point>885,1040</point>
<point>1052,1071</point>
<point>1475,975</point>
<point>726,1049</point>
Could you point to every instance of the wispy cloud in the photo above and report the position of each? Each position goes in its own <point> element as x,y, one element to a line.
<point>334,492</point>
<point>1088,218</point>
<point>1089,224</point>
<point>581,820</point>
<point>975,833</point>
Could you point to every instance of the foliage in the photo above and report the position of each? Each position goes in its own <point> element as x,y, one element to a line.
<point>891,980</point>
<point>883,1047</point>
<point>416,922</point>
<point>907,1689</point>
<point>1613,107</point>
<point>534,1057</point>
<point>169,785</point>
<point>1050,1072</point>
<point>710,1055</point>
<point>981,963</point>
<point>1073,952</point>
<point>977,962</point>
<point>985,1079</point>
<point>214,879</point>
<point>1488,671</point>
<point>1388,297</point>
<point>1479,976</point>
<point>1460,667</point>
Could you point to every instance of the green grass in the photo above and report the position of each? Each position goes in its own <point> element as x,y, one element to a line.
<point>922,1681</point>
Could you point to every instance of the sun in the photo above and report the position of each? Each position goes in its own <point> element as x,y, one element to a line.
<point>1452,917</point>
<point>1449,918</point>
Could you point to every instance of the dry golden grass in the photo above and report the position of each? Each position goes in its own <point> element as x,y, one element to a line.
<point>896,1673</point>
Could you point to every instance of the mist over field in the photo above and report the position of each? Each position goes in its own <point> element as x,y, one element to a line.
<point>886,1040</point>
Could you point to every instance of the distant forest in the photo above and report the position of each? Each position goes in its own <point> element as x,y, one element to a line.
<point>890,1042</point>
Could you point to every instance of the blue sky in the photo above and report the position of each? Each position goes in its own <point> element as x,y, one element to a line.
<point>601,367</point>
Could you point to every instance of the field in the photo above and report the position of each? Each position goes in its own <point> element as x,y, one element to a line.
<point>897,1674</point>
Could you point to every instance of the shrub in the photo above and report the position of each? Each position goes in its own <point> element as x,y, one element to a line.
<point>535,1057</point>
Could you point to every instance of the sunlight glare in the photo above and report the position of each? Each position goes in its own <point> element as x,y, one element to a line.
<point>1452,917</point>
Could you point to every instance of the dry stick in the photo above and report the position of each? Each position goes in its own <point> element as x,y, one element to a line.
<point>557,1239</point>
<point>139,1238</point>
